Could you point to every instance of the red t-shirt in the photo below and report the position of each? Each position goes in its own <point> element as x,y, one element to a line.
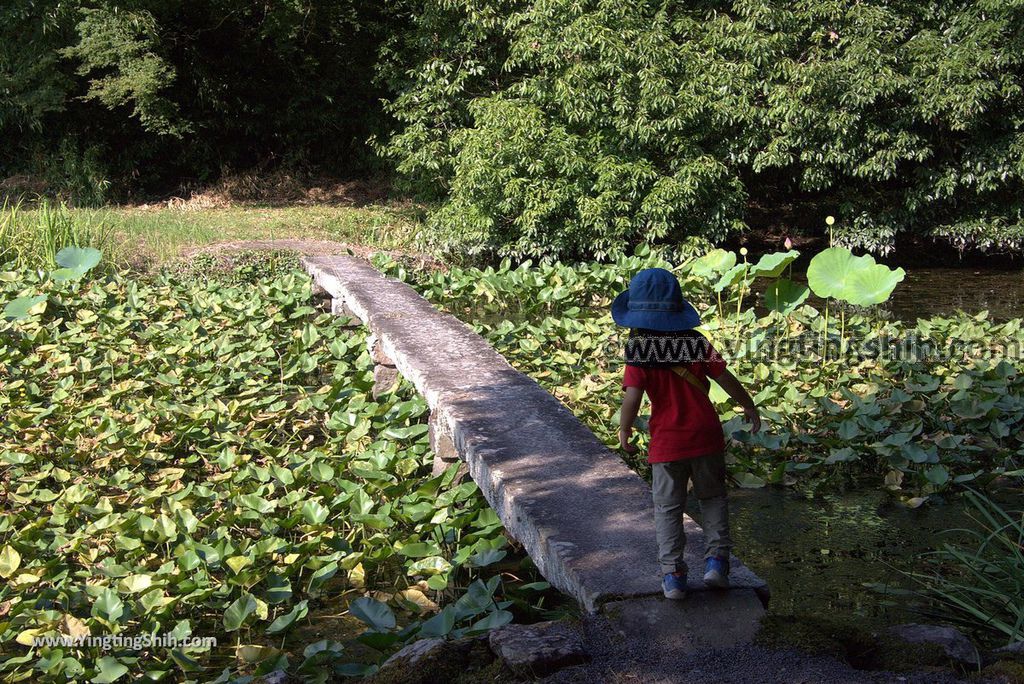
<point>684,423</point>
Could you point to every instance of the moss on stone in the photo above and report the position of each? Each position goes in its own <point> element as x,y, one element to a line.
<point>897,655</point>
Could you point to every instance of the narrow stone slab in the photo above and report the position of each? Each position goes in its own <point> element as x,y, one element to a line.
<point>584,517</point>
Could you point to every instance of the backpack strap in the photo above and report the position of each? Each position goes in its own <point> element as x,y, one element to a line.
<point>685,374</point>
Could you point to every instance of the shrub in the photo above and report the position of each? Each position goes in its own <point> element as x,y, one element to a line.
<point>562,126</point>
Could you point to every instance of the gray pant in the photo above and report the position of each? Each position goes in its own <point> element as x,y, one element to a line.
<point>669,487</point>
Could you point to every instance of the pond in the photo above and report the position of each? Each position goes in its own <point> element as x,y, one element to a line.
<point>818,555</point>
<point>941,291</point>
<point>927,292</point>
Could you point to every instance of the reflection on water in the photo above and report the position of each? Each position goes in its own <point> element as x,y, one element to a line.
<point>941,291</point>
<point>817,555</point>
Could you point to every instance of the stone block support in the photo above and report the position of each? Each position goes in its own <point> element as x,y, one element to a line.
<point>443,447</point>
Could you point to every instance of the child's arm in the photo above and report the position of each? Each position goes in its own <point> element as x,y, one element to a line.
<point>734,389</point>
<point>630,409</point>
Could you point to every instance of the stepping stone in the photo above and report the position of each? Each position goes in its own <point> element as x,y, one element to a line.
<point>953,643</point>
<point>539,649</point>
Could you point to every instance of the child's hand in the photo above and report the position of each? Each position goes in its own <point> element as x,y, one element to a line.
<point>624,435</point>
<point>754,418</point>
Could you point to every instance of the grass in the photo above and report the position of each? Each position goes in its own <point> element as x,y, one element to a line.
<point>980,586</point>
<point>144,236</point>
<point>32,238</point>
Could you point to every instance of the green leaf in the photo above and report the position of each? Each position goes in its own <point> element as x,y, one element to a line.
<point>285,621</point>
<point>749,480</point>
<point>772,265</point>
<point>836,272</point>
<point>108,669</point>
<point>498,618</point>
<point>240,609</point>
<point>433,565</point>
<point>873,284</point>
<point>486,557</point>
<point>714,262</point>
<point>844,455</point>
<point>440,625</point>
<point>830,270</point>
<point>734,275</point>
<point>320,577</point>
<point>314,512</point>
<point>81,258</point>
<point>937,475</point>
<point>279,589</point>
<point>10,560</point>
<point>108,605</point>
<point>61,275</point>
<point>419,550</point>
<point>373,613</point>
<point>23,307</point>
<point>785,296</point>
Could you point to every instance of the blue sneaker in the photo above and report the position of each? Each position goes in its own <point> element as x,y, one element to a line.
<point>674,586</point>
<point>716,572</point>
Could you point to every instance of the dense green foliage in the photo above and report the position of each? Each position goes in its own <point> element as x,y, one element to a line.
<point>865,409</point>
<point>100,98</point>
<point>565,128</point>
<point>544,127</point>
<point>203,458</point>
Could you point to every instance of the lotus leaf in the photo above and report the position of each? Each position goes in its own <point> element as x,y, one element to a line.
<point>81,259</point>
<point>23,307</point>
<point>836,272</point>
<point>772,265</point>
<point>715,261</point>
<point>785,296</point>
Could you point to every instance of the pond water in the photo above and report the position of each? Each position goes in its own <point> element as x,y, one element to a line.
<point>927,292</point>
<point>941,291</point>
<point>818,554</point>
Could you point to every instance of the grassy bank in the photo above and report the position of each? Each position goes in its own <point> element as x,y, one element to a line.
<point>143,236</point>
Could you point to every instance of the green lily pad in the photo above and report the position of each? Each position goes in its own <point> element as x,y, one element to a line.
<point>836,272</point>
<point>714,262</point>
<point>23,307</point>
<point>373,613</point>
<point>79,258</point>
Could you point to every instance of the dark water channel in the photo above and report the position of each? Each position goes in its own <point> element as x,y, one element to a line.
<point>941,291</point>
<point>818,555</point>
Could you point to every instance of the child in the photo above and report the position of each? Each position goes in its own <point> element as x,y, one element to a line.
<point>672,362</point>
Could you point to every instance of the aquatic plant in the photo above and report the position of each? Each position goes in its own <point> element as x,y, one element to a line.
<point>947,413</point>
<point>981,585</point>
<point>204,459</point>
<point>73,262</point>
<point>31,238</point>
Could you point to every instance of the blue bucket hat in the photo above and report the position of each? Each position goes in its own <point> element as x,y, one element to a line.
<point>654,301</point>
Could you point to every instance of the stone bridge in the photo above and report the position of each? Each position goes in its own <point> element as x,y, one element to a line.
<point>583,516</point>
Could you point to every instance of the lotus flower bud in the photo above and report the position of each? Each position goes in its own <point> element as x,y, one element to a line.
<point>788,244</point>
